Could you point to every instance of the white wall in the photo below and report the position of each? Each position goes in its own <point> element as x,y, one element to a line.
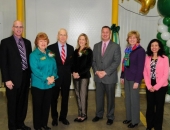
<point>8,15</point>
<point>85,16</point>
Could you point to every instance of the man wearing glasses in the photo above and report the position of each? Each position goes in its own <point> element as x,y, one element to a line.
<point>14,55</point>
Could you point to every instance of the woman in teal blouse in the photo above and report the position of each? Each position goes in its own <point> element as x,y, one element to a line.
<point>44,73</point>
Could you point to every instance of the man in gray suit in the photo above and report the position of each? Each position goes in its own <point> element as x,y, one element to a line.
<point>106,59</point>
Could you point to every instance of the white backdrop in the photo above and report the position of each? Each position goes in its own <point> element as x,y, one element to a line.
<point>76,16</point>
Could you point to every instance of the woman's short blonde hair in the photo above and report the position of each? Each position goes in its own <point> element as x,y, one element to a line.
<point>86,38</point>
<point>136,33</point>
<point>41,36</point>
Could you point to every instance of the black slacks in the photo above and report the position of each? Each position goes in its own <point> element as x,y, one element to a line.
<point>63,85</point>
<point>41,106</point>
<point>17,103</point>
<point>155,108</point>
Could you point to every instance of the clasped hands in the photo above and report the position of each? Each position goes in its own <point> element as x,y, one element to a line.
<point>50,80</point>
<point>100,74</point>
<point>152,89</point>
<point>75,75</point>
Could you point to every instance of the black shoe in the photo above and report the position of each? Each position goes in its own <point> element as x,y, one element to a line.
<point>81,120</point>
<point>132,126</point>
<point>54,123</point>
<point>24,127</point>
<point>64,121</point>
<point>97,119</point>
<point>109,122</point>
<point>46,128</point>
<point>126,121</point>
<point>77,119</point>
<point>38,129</point>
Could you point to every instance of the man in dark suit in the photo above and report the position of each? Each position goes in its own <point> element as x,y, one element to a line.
<point>63,55</point>
<point>106,59</point>
<point>14,55</point>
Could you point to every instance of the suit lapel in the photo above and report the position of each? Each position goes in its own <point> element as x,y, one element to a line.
<point>68,53</point>
<point>14,46</point>
<point>58,53</point>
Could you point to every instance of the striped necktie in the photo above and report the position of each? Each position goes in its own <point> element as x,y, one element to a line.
<point>63,54</point>
<point>23,56</point>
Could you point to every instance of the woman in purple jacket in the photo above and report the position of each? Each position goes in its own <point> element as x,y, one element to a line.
<point>131,76</point>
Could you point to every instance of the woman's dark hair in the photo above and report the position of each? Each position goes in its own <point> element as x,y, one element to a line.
<point>161,51</point>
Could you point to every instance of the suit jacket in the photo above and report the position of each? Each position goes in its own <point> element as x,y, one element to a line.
<point>109,62</point>
<point>135,70</point>
<point>83,63</point>
<point>63,70</point>
<point>11,62</point>
<point>162,71</point>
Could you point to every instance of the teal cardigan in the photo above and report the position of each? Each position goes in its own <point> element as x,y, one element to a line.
<point>42,66</point>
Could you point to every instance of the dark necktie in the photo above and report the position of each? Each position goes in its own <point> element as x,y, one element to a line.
<point>23,56</point>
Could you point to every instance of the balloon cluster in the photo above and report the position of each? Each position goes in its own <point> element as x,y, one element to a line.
<point>164,36</point>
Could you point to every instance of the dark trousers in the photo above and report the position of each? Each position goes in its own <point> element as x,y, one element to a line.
<point>63,85</point>
<point>155,108</point>
<point>17,103</point>
<point>101,89</point>
<point>41,106</point>
<point>81,91</point>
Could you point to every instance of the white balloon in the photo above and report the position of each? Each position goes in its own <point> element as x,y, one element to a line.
<point>168,43</point>
<point>160,21</point>
<point>167,98</point>
<point>165,36</point>
<point>162,28</point>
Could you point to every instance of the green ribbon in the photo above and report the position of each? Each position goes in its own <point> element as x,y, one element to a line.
<point>115,33</point>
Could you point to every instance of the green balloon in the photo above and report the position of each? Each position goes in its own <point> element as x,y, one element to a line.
<point>168,92</point>
<point>158,35</point>
<point>162,41</point>
<point>168,58</point>
<point>168,29</point>
<point>166,21</point>
<point>164,7</point>
<point>166,49</point>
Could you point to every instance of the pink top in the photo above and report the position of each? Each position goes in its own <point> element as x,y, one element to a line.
<point>162,71</point>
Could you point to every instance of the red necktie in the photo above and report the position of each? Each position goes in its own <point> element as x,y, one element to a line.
<point>103,49</point>
<point>63,56</point>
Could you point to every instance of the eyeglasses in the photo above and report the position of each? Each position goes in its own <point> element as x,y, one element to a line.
<point>20,27</point>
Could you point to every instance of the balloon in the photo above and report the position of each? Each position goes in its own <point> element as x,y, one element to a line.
<point>166,21</point>
<point>163,42</point>
<point>160,21</point>
<point>169,69</point>
<point>166,49</point>
<point>165,36</point>
<point>162,28</point>
<point>168,43</point>
<point>158,35</point>
<point>163,7</point>
<point>146,5</point>
<point>168,29</point>
<point>167,98</point>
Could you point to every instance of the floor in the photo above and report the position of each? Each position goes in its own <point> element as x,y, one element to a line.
<point>88,124</point>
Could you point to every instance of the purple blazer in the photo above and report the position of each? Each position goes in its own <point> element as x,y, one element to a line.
<point>135,71</point>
